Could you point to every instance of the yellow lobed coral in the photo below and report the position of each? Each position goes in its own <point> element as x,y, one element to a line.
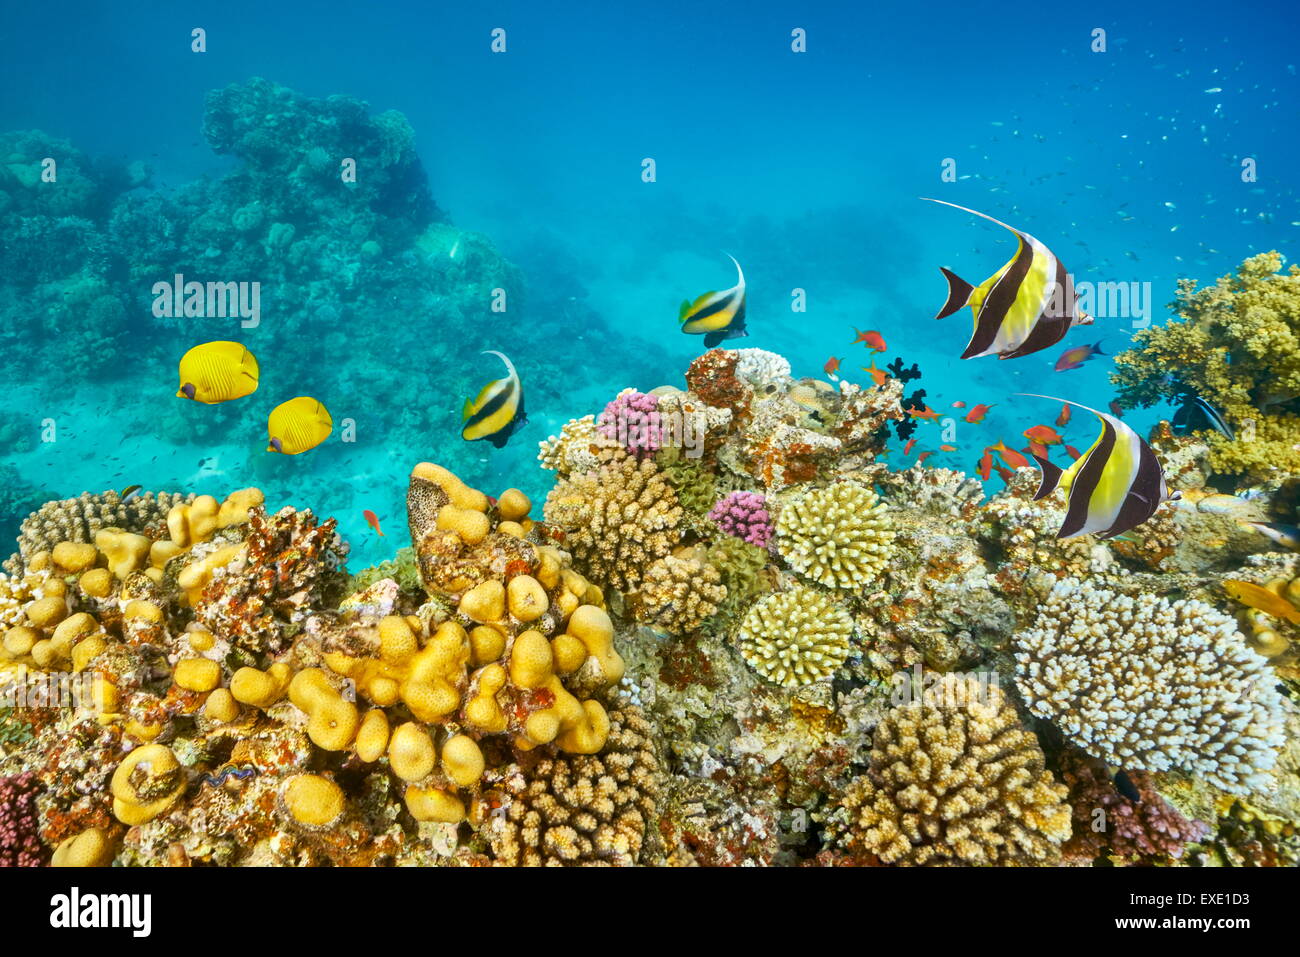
<point>617,519</point>
<point>795,637</point>
<point>1142,682</point>
<point>680,594</point>
<point>954,779</point>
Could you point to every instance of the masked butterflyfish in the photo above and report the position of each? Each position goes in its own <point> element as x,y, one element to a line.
<point>217,372</point>
<point>498,410</point>
<point>1116,485</point>
<point>298,425</point>
<point>1027,305</point>
<point>716,315</point>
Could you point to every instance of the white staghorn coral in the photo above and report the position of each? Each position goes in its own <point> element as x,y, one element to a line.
<point>1151,684</point>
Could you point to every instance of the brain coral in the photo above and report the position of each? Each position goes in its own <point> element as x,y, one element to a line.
<point>839,536</point>
<point>1151,684</point>
<point>580,810</point>
<point>679,594</point>
<point>617,519</point>
<point>954,779</point>
<point>795,637</point>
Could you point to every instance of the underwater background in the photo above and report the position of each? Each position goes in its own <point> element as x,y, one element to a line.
<point>523,171</point>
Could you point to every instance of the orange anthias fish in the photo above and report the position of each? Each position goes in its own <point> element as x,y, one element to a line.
<point>959,405</point>
<point>986,465</point>
<point>1037,448</point>
<point>977,413</point>
<point>1072,451</point>
<point>927,413</point>
<point>923,456</point>
<point>1261,599</point>
<point>832,366</point>
<point>947,448</point>
<point>907,449</point>
<point>872,340</point>
<point>1010,456</point>
<point>1063,419</point>
<point>1004,473</point>
<point>373,521</point>
<point>878,376</point>
<point>1043,434</point>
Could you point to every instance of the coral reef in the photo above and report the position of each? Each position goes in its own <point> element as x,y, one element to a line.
<point>744,515</point>
<point>839,536</point>
<point>1151,684</point>
<point>680,594</point>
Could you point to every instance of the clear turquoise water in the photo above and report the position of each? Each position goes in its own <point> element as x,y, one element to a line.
<point>805,166</point>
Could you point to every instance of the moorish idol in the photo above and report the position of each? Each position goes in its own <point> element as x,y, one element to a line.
<point>716,315</point>
<point>1116,485</point>
<point>498,411</point>
<point>1027,305</point>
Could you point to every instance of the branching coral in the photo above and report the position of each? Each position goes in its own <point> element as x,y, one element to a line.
<point>955,779</point>
<point>839,536</point>
<point>795,637</point>
<point>574,449</point>
<point>617,519</point>
<point>744,515</point>
<point>632,421</point>
<point>680,594</point>
<point>1151,684</point>
<point>1107,822</point>
<point>79,519</point>
<point>1235,344</point>
<point>20,842</point>
<point>585,810</point>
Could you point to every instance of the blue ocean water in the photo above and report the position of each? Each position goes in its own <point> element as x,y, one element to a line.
<point>805,166</point>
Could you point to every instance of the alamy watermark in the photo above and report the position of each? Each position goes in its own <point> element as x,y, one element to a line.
<point>211,300</point>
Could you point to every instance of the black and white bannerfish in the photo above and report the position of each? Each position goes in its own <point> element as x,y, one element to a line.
<point>1195,414</point>
<point>716,315</point>
<point>498,411</point>
<point>1116,485</point>
<point>1027,305</point>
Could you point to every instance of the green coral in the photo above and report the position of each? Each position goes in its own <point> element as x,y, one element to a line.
<point>1236,344</point>
<point>403,568</point>
<point>694,484</point>
<point>741,566</point>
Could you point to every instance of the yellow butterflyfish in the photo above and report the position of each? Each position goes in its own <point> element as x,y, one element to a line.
<point>218,372</point>
<point>298,425</point>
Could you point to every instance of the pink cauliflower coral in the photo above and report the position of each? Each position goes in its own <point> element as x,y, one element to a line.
<point>744,515</point>
<point>633,421</point>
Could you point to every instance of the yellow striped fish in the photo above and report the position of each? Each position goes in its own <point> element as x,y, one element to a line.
<point>498,411</point>
<point>298,425</point>
<point>1027,305</point>
<point>716,315</point>
<point>217,372</point>
<point>1116,485</point>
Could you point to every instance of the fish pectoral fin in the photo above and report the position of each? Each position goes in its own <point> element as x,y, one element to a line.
<point>684,311</point>
<point>468,410</point>
<point>959,293</point>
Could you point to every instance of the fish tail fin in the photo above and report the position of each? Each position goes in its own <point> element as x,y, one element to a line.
<point>959,291</point>
<point>1051,477</point>
<point>1096,348</point>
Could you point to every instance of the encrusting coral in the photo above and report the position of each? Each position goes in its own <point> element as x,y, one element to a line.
<point>839,536</point>
<point>954,778</point>
<point>795,637</point>
<point>1151,684</point>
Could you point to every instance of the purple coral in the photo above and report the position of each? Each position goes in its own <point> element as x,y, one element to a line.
<point>633,421</point>
<point>1148,830</point>
<point>20,823</point>
<point>744,514</point>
